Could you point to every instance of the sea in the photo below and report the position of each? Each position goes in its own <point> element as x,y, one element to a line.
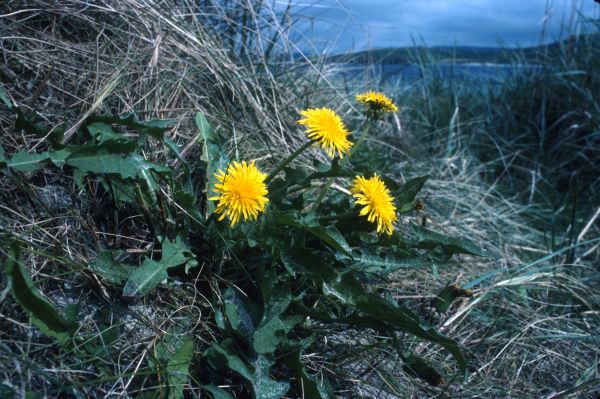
<point>407,74</point>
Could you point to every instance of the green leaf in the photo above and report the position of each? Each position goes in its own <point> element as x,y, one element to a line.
<point>205,129</point>
<point>110,269</point>
<point>270,334</point>
<point>79,178</point>
<point>314,263</point>
<point>375,264</point>
<point>405,196</point>
<point>152,272</point>
<point>343,286</point>
<point>103,132</point>
<point>22,161</point>
<point>59,157</point>
<point>485,277</point>
<point>112,158</point>
<point>216,392</point>
<point>335,171</point>
<point>4,98</point>
<point>273,327</point>
<point>332,237</point>
<point>122,190</point>
<point>430,239</point>
<point>155,128</point>
<point>183,189</point>
<point>173,357</point>
<point>310,386</point>
<point>2,158</point>
<point>379,312</point>
<point>93,160</point>
<point>263,386</point>
<point>409,190</point>
<point>213,155</point>
<point>240,315</point>
<point>294,176</point>
<point>403,319</point>
<point>178,368</point>
<point>42,312</point>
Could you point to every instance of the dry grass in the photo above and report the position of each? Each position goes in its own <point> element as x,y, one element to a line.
<point>529,332</point>
<point>158,60</point>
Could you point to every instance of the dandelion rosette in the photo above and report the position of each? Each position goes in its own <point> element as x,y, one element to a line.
<point>377,201</point>
<point>243,192</point>
<point>326,128</point>
<point>377,102</point>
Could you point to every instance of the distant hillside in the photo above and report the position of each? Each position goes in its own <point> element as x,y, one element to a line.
<point>458,54</point>
<point>404,55</point>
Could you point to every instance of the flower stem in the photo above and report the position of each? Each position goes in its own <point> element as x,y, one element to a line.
<point>286,161</point>
<point>332,218</point>
<point>327,185</point>
<point>363,136</point>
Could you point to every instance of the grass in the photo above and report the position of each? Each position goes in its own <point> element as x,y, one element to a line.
<point>514,168</point>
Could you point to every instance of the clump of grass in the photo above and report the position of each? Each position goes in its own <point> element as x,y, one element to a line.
<point>538,123</point>
<point>159,61</point>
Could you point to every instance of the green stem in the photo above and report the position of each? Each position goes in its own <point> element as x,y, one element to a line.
<point>327,185</point>
<point>146,211</point>
<point>332,218</point>
<point>362,138</point>
<point>286,161</point>
<point>322,194</point>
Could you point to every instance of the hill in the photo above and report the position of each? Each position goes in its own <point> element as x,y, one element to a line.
<point>457,54</point>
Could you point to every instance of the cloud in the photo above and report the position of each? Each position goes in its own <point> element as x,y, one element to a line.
<point>345,24</point>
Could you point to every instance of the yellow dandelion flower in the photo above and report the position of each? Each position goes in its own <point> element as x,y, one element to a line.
<point>242,192</point>
<point>327,128</point>
<point>377,101</point>
<point>378,202</point>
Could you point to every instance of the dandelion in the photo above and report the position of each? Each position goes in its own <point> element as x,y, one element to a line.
<point>242,192</point>
<point>327,128</point>
<point>377,102</point>
<point>378,202</point>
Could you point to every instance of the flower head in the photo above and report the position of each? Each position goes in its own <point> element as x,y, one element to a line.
<point>242,192</point>
<point>378,202</point>
<point>377,102</point>
<point>326,127</point>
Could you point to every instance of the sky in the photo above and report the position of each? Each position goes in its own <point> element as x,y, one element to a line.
<point>341,25</point>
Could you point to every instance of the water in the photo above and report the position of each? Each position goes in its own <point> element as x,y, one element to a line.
<point>406,74</point>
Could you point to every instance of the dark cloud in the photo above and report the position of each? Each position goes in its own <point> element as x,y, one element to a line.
<point>343,24</point>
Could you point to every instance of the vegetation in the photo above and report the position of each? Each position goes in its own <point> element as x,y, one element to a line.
<point>130,267</point>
